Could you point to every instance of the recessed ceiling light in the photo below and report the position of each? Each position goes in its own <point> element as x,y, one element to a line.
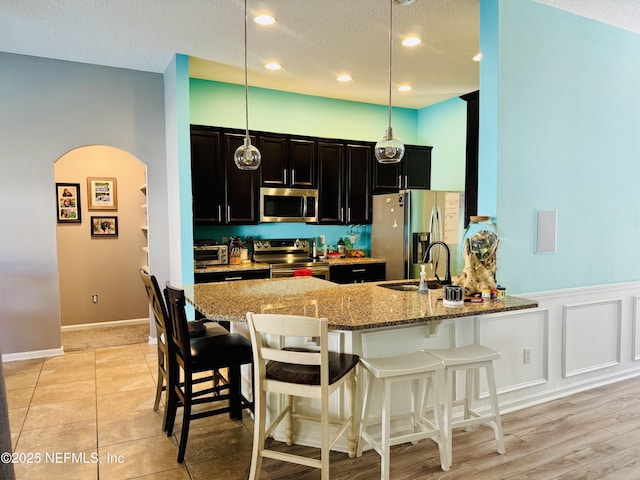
<point>265,19</point>
<point>477,57</point>
<point>405,88</point>
<point>411,41</point>
<point>272,66</point>
<point>344,78</point>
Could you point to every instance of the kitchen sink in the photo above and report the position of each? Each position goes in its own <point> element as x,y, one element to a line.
<point>408,286</point>
<point>403,287</point>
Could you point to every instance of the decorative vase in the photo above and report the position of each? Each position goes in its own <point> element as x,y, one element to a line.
<point>483,237</point>
<point>479,243</point>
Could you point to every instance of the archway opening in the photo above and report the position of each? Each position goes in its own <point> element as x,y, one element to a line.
<point>101,251</point>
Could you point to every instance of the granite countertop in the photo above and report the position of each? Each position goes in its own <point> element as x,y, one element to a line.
<point>239,267</point>
<point>354,260</point>
<point>348,307</point>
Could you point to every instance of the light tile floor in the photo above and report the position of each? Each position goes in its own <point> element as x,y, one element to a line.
<point>89,415</point>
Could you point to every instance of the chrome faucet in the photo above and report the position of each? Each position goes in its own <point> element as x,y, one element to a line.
<point>447,276</point>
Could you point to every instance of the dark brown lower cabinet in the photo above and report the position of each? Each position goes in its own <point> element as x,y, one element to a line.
<point>357,273</point>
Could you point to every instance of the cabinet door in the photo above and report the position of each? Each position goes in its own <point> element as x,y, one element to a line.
<point>231,275</point>
<point>206,185</point>
<point>241,186</point>
<point>330,168</point>
<point>357,273</point>
<point>417,167</point>
<point>386,177</point>
<point>357,181</point>
<point>303,161</point>
<point>274,166</point>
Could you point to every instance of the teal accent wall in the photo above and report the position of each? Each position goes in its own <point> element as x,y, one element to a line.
<point>567,139</point>
<point>222,104</point>
<point>488,125</point>
<point>444,125</point>
<point>184,154</point>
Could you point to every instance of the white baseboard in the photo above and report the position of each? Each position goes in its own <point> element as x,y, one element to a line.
<point>13,357</point>
<point>115,323</point>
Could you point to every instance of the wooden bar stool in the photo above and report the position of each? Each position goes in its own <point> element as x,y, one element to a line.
<point>470,358</point>
<point>298,372</point>
<point>424,373</point>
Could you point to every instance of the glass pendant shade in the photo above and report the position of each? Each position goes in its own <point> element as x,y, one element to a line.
<point>246,156</point>
<point>389,149</point>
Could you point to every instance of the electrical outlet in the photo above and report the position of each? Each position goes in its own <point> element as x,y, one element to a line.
<point>94,298</point>
<point>526,358</point>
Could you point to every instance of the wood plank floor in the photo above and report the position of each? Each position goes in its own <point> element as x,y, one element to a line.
<point>590,435</point>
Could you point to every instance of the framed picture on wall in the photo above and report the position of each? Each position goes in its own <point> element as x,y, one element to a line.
<point>104,226</point>
<point>68,203</point>
<point>102,193</point>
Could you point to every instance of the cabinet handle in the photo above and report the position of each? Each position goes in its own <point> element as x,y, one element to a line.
<point>406,181</point>
<point>228,213</point>
<point>226,279</point>
<point>349,215</point>
<point>293,177</point>
<point>284,174</point>
<point>219,212</point>
<point>399,181</point>
<point>358,270</point>
<point>341,214</point>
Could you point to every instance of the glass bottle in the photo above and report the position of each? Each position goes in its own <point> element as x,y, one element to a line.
<point>341,248</point>
<point>483,237</point>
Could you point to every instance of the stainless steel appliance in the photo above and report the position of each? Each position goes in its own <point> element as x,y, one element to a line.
<point>289,257</point>
<point>406,223</point>
<point>207,253</point>
<point>288,205</point>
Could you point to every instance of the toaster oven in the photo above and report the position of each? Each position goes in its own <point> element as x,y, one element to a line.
<point>207,255</point>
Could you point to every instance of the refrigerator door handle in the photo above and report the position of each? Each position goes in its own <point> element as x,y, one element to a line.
<point>435,225</point>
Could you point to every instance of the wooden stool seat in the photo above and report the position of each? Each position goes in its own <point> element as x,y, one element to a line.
<point>470,358</point>
<point>417,368</point>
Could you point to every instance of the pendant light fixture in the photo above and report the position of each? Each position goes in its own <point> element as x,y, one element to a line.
<point>246,156</point>
<point>389,149</point>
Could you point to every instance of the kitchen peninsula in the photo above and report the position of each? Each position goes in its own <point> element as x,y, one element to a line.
<point>348,307</point>
<point>364,318</point>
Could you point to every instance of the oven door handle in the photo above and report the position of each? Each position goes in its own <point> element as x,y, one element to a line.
<point>290,272</point>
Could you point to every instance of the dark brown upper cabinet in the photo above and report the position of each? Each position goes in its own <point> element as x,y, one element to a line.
<point>206,176</point>
<point>344,189</point>
<point>413,171</point>
<point>287,162</point>
<point>357,183</point>
<point>240,186</point>
<point>330,182</point>
<point>344,172</point>
<point>222,193</point>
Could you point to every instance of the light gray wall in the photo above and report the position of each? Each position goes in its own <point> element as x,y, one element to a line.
<point>48,108</point>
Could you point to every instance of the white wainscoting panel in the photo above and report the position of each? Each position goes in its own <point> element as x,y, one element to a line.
<point>511,334</point>
<point>396,341</point>
<point>591,336</point>
<point>635,353</point>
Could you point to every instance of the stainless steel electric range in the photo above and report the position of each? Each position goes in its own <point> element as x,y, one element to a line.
<point>289,257</point>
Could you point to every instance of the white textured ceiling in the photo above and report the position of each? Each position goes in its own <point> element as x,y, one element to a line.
<point>313,39</point>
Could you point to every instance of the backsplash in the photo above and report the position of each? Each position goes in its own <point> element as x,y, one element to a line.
<point>361,234</point>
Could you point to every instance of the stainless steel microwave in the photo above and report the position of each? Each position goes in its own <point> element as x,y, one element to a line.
<point>288,205</point>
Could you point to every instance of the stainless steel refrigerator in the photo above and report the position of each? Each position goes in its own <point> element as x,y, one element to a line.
<point>405,223</point>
